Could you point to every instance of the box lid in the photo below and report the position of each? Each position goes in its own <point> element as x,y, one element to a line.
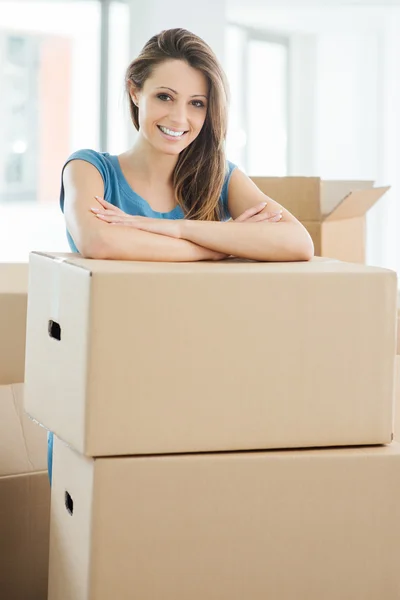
<point>23,443</point>
<point>356,204</point>
<point>333,192</point>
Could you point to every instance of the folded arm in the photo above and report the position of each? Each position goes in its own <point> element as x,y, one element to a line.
<point>96,239</point>
<point>287,240</point>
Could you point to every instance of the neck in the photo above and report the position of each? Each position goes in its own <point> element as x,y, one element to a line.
<point>155,166</point>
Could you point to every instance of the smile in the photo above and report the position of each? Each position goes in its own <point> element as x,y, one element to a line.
<point>170,133</point>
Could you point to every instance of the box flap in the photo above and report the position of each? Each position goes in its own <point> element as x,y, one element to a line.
<point>356,204</point>
<point>23,443</point>
<point>332,192</point>
<point>299,195</point>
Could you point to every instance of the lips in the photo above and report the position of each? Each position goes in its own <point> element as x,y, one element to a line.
<point>173,133</point>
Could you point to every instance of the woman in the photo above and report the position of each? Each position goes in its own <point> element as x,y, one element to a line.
<point>173,196</point>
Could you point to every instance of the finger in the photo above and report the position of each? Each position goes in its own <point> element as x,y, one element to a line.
<point>268,217</point>
<point>108,205</point>
<point>103,211</point>
<point>108,218</point>
<point>253,210</point>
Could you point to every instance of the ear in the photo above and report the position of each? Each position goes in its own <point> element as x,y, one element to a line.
<point>134,94</point>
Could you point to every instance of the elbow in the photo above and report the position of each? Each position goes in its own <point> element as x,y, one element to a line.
<point>94,247</point>
<point>303,248</point>
<point>306,250</point>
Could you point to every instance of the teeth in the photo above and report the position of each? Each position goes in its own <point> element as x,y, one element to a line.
<point>169,132</point>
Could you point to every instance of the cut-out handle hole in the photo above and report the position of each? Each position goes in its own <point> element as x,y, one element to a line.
<point>69,503</point>
<point>54,330</point>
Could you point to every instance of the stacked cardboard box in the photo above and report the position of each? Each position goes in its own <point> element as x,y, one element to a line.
<point>223,429</point>
<point>334,212</point>
<point>24,486</point>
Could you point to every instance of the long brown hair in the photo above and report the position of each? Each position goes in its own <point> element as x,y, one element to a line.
<point>199,174</point>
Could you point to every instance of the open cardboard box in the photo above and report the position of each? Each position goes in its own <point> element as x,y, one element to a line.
<point>24,501</point>
<point>334,212</point>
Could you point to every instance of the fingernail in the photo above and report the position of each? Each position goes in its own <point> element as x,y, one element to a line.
<point>263,204</point>
<point>97,197</point>
<point>95,210</point>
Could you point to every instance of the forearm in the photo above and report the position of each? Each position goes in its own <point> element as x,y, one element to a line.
<point>263,241</point>
<point>126,243</point>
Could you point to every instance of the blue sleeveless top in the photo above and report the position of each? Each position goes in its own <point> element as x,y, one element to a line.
<point>118,192</point>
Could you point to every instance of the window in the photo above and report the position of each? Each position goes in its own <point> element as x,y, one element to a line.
<point>257,69</point>
<point>49,106</point>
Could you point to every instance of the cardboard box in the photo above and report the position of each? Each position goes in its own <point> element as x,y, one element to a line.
<point>167,357</point>
<point>398,326</point>
<point>397,401</point>
<point>13,301</point>
<point>287,525</point>
<point>24,501</point>
<point>332,211</point>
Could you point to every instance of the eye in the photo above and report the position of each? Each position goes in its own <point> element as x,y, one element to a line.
<point>163,97</point>
<point>198,104</point>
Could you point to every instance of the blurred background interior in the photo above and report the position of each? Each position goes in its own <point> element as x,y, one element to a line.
<point>315,91</point>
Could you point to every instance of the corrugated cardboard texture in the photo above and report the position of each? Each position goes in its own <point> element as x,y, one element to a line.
<point>13,300</point>
<point>294,525</point>
<point>24,539</point>
<point>164,357</point>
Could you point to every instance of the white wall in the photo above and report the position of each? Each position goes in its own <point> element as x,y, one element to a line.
<point>344,100</point>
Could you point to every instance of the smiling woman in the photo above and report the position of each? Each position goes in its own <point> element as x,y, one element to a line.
<point>174,196</point>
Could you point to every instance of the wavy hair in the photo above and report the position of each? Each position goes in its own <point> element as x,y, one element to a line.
<point>199,174</point>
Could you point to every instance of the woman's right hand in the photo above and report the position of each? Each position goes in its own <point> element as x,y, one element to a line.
<point>255,214</point>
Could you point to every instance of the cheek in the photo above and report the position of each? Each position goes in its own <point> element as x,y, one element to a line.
<point>198,120</point>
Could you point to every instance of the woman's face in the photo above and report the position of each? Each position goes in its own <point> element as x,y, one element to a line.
<point>172,106</point>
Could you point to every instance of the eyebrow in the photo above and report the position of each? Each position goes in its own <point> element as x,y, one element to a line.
<point>163,87</point>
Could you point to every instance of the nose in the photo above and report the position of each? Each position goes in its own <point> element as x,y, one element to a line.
<point>178,113</point>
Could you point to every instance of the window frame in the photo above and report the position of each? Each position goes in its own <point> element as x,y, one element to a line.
<point>252,34</point>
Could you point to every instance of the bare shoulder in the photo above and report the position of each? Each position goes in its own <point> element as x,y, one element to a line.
<point>82,182</point>
<point>80,175</point>
<point>243,194</point>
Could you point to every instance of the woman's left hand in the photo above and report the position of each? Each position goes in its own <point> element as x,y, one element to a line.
<point>114,216</point>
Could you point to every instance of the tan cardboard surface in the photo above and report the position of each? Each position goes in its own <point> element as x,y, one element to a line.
<point>356,204</point>
<point>13,300</point>
<point>398,332</point>
<point>24,539</point>
<point>316,203</point>
<point>23,444</point>
<point>300,195</point>
<point>160,358</point>
<point>333,192</point>
<point>397,401</point>
<point>24,501</point>
<point>338,239</point>
<point>284,525</point>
